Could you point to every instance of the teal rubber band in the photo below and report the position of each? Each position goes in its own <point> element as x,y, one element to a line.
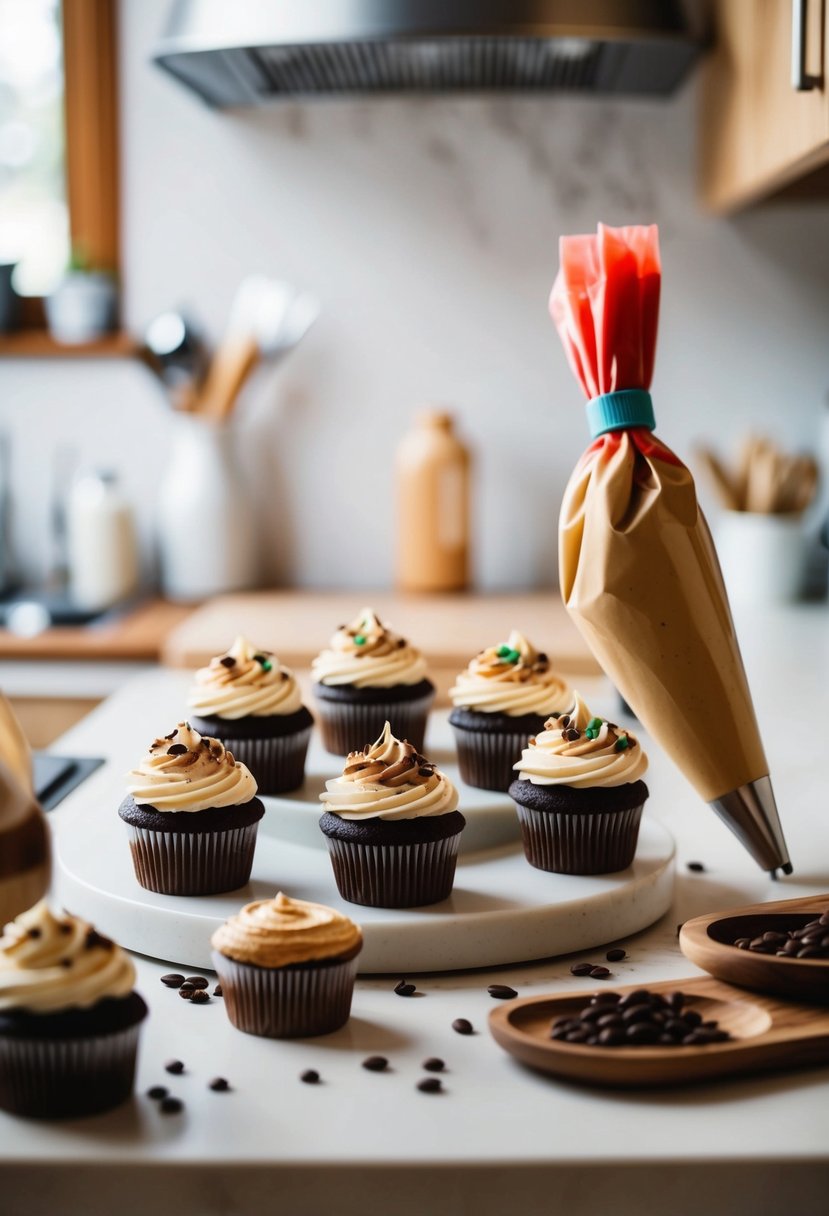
<point>620,410</point>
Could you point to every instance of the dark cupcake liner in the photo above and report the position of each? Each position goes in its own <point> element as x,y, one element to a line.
<point>349,726</point>
<point>394,876</point>
<point>486,758</point>
<point>192,863</point>
<point>67,1078</point>
<point>291,1002</point>
<point>277,764</point>
<point>600,842</point>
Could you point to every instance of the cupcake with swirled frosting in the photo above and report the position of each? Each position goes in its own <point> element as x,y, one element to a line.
<point>368,675</point>
<point>287,967</point>
<point>192,816</point>
<point>69,1019</point>
<point>252,703</point>
<point>580,794</point>
<point>392,825</point>
<point>503,697</point>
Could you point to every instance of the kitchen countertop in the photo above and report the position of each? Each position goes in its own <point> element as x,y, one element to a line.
<point>134,634</point>
<point>501,1138</point>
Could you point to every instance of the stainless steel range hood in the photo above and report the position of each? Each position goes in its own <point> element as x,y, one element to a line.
<point>247,52</point>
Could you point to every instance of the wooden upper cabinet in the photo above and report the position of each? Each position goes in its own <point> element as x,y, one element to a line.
<point>758,133</point>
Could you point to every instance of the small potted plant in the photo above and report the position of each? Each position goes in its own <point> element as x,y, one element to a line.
<point>83,305</point>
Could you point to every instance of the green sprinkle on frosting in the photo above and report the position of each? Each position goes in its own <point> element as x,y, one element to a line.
<point>622,742</point>
<point>267,665</point>
<point>359,639</point>
<point>503,651</point>
<point>595,724</point>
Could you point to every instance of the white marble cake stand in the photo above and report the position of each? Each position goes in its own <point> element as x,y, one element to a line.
<point>501,910</point>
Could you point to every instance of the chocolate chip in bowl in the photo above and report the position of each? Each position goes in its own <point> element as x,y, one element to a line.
<point>714,1029</point>
<point>774,948</point>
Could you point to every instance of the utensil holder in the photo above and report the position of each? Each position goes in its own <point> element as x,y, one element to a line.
<point>762,557</point>
<point>205,522</point>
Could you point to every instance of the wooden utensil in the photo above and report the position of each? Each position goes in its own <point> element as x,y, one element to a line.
<point>707,941</point>
<point>720,479</point>
<point>766,1035</point>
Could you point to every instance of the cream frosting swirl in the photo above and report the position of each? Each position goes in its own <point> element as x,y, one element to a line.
<point>581,750</point>
<point>368,654</point>
<point>49,963</point>
<point>280,931</point>
<point>187,772</point>
<point>388,779</point>
<point>245,682</point>
<point>513,679</point>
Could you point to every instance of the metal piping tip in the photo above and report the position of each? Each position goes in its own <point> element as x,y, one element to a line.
<point>751,813</point>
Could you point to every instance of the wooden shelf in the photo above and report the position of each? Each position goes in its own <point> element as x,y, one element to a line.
<point>39,344</point>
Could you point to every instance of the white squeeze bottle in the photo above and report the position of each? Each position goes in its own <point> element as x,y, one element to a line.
<point>101,545</point>
<point>433,485</point>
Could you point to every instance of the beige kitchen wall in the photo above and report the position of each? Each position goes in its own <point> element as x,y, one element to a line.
<point>428,228</point>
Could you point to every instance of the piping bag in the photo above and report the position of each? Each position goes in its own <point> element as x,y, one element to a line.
<point>639,572</point>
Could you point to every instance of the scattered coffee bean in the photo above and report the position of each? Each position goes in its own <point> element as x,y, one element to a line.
<point>375,1063</point>
<point>217,991</point>
<point>696,867</point>
<point>170,1106</point>
<point>501,992</point>
<point>581,968</point>
<point>310,1076</point>
<point>616,954</point>
<point>462,1026</point>
<point>157,1092</point>
<point>172,980</point>
<point>200,997</point>
<point>219,1085</point>
<point>174,1066</point>
<point>639,1018</point>
<point>186,992</point>
<point>404,989</point>
<point>433,1064</point>
<point>198,981</point>
<point>809,941</point>
<point>600,973</point>
<point>430,1085</point>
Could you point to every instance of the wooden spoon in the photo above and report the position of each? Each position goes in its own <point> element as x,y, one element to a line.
<point>766,1035</point>
<point>708,942</point>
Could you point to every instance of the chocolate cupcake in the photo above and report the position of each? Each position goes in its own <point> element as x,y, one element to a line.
<point>287,967</point>
<point>505,695</point>
<point>579,795</point>
<point>69,1019</point>
<point>369,675</point>
<point>192,815</point>
<point>249,701</point>
<point>392,827</point>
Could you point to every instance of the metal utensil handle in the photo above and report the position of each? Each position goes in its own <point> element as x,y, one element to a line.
<point>802,81</point>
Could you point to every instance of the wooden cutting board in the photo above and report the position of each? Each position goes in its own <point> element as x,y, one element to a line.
<point>448,628</point>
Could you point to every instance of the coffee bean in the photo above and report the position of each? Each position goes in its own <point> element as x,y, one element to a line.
<point>616,954</point>
<point>174,1066</point>
<point>462,1026</point>
<point>186,991</point>
<point>217,991</point>
<point>600,973</point>
<point>638,1019</point>
<point>404,989</point>
<point>375,1063</point>
<point>433,1064</point>
<point>501,992</point>
<point>581,968</point>
<point>172,980</point>
<point>198,981</point>
<point>696,867</point>
<point>219,1085</point>
<point>157,1092</point>
<point>200,997</point>
<point>430,1085</point>
<point>170,1106</point>
<point>310,1076</point>
<point>605,998</point>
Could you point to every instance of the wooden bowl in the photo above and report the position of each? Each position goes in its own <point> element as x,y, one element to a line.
<point>708,942</point>
<point>766,1035</point>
